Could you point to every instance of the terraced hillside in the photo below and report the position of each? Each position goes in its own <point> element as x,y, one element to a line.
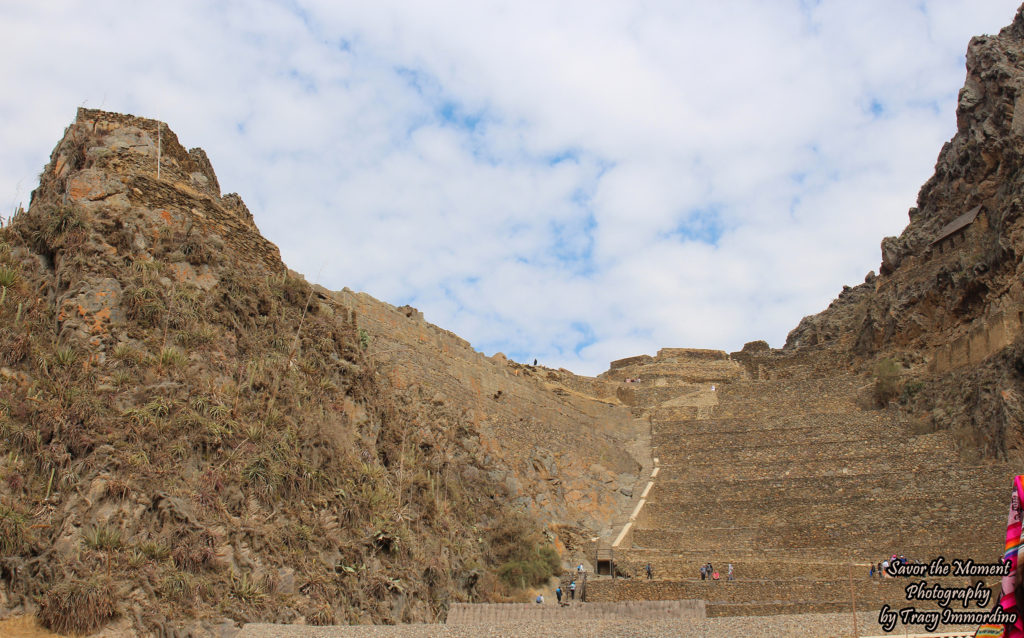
<point>782,473</point>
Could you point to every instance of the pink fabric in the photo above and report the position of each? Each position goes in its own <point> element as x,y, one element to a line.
<point>1008,601</point>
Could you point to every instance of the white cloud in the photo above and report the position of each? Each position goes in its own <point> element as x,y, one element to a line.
<point>541,178</point>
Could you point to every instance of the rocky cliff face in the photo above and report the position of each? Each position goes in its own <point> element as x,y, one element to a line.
<point>190,434</point>
<point>948,301</point>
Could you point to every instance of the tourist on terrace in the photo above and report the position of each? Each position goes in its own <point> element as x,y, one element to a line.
<point>572,590</point>
<point>703,571</point>
<point>558,594</point>
<point>715,576</point>
<point>730,576</point>
<point>648,568</point>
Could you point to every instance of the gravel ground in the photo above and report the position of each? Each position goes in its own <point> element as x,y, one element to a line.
<point>802,625</point>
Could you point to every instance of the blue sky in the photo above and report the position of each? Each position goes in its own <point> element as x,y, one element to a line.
<point>571,181</point>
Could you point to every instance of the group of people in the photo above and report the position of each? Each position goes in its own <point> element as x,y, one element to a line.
<point>572,588</point>
<point>708,572</point>
<point>558,593</point>
<point>633,380</point>
<point>881,568</point>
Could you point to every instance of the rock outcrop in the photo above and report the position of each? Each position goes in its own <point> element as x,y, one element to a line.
<point>192,433</point>
<point>948,302</point>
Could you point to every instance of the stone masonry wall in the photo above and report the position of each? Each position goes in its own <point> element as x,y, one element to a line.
<point>568,455</point>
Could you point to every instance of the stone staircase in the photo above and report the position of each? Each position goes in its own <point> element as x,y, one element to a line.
<point>797,486</point>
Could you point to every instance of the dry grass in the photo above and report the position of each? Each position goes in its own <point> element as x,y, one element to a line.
<point>14,532</point>
<point>78,606</point>
<point>304,477</point>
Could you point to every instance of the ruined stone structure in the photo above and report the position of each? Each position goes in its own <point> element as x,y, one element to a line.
<point>304,440</point>
<point>777,462</point>
<point>781,472</point>
<point>583,477</point>
<point>573,452</point>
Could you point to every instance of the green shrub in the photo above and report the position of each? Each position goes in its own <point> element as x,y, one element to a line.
<point>910,388</point>
<point>102,537</point>
<point>8,277</point>
<point>247,590</point>
<point>154,550</point>
<point>65,356</point>
<point>533,571</point>
<point>887,381</point>
<point>127,354</point>
<point>201,336</point>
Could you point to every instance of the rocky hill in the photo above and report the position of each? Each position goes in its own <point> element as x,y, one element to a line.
<point>192,435</point>
<point>948,303</point>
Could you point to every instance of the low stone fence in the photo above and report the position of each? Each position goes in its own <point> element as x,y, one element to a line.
<point>487,613</point>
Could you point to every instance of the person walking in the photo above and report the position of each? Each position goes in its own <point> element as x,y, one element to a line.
<point>730,577</point>
<point>558,594</point>
<point>703,572</point>
<point>572,590</point>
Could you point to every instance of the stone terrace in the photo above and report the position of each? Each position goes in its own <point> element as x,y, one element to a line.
<point>780,472</point>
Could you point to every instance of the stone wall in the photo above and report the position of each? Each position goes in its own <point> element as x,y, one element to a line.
<point>563,445</point>
<point>983,337</point>
<point>569,452</point>
<point>482,614</point>
<point>109,161</point>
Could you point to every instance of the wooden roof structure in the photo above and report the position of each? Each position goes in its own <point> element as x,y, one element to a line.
<point>961,222</point>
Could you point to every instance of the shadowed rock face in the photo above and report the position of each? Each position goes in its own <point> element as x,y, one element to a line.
<point>948,301</point>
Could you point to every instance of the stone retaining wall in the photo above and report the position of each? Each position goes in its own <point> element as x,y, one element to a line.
<point>484,613</point>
